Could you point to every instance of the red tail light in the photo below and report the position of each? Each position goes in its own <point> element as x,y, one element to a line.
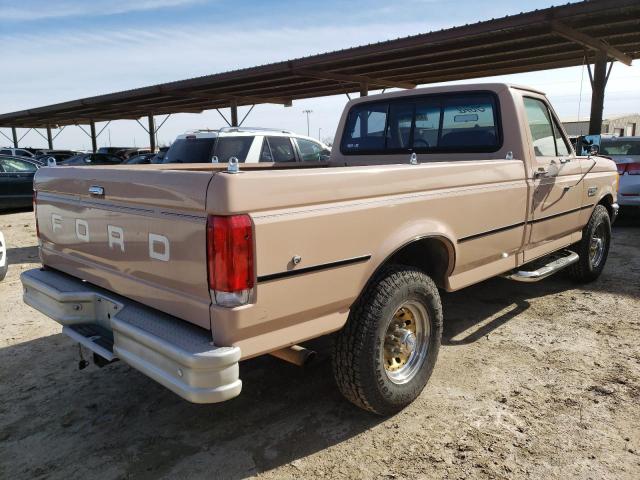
<point>622,167</point>
<point>230,258</point>
<point>633,168</point>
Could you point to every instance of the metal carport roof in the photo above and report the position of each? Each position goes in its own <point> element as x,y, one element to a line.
<point>538,40</point>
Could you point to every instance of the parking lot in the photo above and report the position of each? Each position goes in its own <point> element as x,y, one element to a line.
<point>533,381</point>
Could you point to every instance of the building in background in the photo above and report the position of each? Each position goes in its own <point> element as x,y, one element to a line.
<point>622,125</point>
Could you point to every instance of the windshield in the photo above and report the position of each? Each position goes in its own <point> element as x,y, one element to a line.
<point>190,150</point>
<point>620,146</point>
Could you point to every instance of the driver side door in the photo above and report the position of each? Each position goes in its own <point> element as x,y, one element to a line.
<point>555,177</point>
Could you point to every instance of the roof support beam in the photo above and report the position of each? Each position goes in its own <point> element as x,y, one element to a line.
<point>589,42</point>
<point>350,78</point>
<point>234,113</point>
<point>152,133</point>
<point>597,97</point>
<point>49,138</point>
<point>94,137</point>
<point>14,134</point>
<point>229,98</point>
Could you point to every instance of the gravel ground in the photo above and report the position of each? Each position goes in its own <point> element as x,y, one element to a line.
<point>533,381</point>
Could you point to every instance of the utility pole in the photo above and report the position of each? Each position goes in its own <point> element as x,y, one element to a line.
<point>308,112</point>
<point>319,133</point>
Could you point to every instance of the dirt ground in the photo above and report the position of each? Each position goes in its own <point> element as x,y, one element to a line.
<point>533,381</point>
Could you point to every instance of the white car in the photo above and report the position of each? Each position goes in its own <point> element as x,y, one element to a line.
<point>3,257</point>
<point>248,145</point>
<point>16,152</point>
<point>625,151</point>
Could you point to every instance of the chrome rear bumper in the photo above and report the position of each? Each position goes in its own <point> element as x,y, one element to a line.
<point>176,354</point>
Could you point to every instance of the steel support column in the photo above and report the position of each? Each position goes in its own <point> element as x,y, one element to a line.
<point>94,138</point>
<point>364,89</point>
<point>152,133</point>
<point>49,138</point>
<point>234,114</point>
<point>597,92</point>
<point>14,132</point>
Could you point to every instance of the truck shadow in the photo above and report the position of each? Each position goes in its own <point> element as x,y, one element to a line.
<point>20,255</point>
<point>117,416</point>
<point>476,311</point>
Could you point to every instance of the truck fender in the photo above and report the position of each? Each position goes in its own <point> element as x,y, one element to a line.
<point>407,235</point>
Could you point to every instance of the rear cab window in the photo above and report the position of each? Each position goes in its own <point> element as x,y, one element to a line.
<point>463,123</point>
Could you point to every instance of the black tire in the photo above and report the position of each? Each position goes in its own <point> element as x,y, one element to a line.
<point>359,352</point>
<point>589,267</point>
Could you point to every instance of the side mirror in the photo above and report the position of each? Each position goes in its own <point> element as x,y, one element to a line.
<point>51,162</point>
<point>594,149</point>
<point>214,159</point>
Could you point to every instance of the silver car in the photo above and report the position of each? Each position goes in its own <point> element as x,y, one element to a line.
<point>625,151</point>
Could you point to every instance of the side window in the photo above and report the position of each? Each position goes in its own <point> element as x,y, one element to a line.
<point>399,128</point>
<point>5,152</point>
<point>542,134</point>
<point>11,165</point>
<point>228,147</point>
<point>282,149</point>
<point>265,153</point>
<point>309,150</point>
<point>561,145</point>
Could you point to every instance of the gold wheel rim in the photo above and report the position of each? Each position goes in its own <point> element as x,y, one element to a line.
<point>406,342</point>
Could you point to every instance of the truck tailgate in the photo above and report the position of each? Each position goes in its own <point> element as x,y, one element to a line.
<point>144,237</point>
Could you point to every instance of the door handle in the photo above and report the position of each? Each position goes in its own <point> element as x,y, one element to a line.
<point>564,160</point>
<point>541,172</point>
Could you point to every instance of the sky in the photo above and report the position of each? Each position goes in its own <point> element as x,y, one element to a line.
<point>54,51</point>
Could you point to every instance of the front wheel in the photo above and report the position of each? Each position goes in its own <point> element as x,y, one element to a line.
<point>593,249</point>
<point>385,354</point>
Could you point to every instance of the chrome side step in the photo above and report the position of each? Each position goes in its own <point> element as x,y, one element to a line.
<point>557,262</point>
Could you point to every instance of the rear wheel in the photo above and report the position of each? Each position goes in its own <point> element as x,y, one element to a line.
<point>593,249</point>
<point>386,352</point>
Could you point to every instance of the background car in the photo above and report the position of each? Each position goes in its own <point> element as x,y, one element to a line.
<point>140,159</point>
<point>57,155</point>
<point>625,151</point>
<point>248,145</point>
<point>159,157</point>
<point>16,181</point>
<point>86,159</point>
<point>114,150</point>
<point>16,152</point>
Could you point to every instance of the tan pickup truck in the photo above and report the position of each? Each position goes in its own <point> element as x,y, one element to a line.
<point>182,271</point>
